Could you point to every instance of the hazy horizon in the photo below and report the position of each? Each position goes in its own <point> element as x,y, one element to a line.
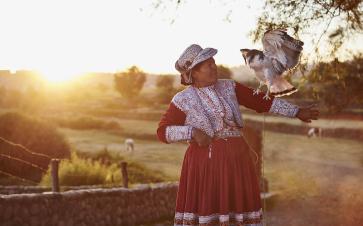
<point>67,38</point>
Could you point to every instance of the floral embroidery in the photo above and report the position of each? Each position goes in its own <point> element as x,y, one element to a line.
<point>228,133</point>
<point>202,108</point>
<point>218,106</point>
<point>178,133</point>
<point>199,115</point>
<point>248,218</point>
<point>283,107</point>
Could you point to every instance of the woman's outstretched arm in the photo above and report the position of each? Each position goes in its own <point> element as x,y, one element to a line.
<point>275,105</point>
<point>171,126</point>
<point>246,98</point>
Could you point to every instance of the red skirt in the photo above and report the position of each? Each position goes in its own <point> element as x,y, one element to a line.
<point>222,189</point>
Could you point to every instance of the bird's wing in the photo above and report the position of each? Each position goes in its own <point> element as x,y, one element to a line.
<point>272,45</point>
<point>278,45</point>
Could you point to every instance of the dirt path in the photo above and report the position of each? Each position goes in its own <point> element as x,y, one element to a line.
<point>316,192</point>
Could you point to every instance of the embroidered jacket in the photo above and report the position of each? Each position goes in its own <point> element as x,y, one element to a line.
<point>215,108</point>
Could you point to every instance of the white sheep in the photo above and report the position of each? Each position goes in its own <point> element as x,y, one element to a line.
<point>313,132</point>
<point>129,144</point>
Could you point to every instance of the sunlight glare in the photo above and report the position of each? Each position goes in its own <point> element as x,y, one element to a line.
<point>60,75</point>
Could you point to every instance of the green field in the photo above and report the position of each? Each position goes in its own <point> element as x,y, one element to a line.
<point>323,123</point>
<point>311,177</point>
<point>168,157</point>
<point>154,154</point>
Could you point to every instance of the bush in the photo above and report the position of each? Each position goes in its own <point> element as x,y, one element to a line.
<point>78,171</point>
<point>84,123</point>
<point>224,72</point>
<point>90,171</point>
<point>137,172</point>
<point>36,135</point>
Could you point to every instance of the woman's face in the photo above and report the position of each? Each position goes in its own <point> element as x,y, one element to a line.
<point>205,73</point>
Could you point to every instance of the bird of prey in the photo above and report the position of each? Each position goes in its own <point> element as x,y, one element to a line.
<point>281,53</point>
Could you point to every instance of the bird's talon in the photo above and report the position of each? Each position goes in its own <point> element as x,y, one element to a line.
<point>256,92</point>
<point>266,97</point>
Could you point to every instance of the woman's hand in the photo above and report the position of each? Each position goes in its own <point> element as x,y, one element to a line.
<point>306,114</point>
<point>201,138</point>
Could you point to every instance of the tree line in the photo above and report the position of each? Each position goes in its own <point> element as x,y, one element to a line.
<point>336,84</point>
<point>130,83</point>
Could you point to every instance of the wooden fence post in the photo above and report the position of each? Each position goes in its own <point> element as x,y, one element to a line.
<point>54,173</point>
<point>125,179</point>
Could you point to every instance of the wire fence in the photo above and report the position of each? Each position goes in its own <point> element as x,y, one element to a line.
<point>19,178</point>
<point>23,148</point>
<point>13,165</point>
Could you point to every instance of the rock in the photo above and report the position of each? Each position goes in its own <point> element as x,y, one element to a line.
<point>25,213</point>
<point>54,219</point>
<point>18,221</point>
<point>34,209</point>
<point>7,213</point>
<point>35,221</point>
<point>108,219</point>
<point>61,223</point>
<point>70,222</point>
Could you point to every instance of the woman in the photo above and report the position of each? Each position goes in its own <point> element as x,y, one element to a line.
<point>218,182</point>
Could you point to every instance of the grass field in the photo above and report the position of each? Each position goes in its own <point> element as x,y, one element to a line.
<point>168,157</point>
<point>154,154</point>
<point>323,123</point>
<point>313,177</point>
<point>316,179</point>
<point>246,113</point>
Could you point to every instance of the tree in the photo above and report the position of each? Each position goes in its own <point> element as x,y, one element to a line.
<point>337,84</point>
<point>339,20</point>
<point>335,20</point>
<point>130,83</point>
<point>165,88</point>
<point>224,72</point>
<point>2,94</point>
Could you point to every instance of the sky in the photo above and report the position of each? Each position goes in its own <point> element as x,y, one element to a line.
<point>63,38</point>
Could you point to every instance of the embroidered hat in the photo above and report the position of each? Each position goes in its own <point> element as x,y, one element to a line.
<point>192,56</point>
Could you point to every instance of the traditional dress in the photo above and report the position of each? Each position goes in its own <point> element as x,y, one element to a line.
<point>218,184</point>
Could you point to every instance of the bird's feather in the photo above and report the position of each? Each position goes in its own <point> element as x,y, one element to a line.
<point>277,44</point>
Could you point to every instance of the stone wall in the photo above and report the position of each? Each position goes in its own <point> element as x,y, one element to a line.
<point>26,189</point>
<point>16,189</point>
<point>99,207</point>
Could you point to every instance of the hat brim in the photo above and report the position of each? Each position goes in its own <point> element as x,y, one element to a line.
<point>205,54</point>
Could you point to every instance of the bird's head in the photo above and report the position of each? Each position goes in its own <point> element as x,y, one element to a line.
<point>253,58</point>
<point>244,54</point>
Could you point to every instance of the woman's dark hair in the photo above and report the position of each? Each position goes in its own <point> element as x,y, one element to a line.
<point>182,81</point>
<point>195,68</point>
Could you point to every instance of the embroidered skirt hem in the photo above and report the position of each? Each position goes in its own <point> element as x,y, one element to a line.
<point>218,186</point>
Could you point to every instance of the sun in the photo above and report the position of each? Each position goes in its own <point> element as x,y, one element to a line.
<point>59,75</point>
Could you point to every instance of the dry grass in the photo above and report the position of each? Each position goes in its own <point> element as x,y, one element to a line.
<point>319,179</point>
<point>155,155</point>
<point>323,123</point>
